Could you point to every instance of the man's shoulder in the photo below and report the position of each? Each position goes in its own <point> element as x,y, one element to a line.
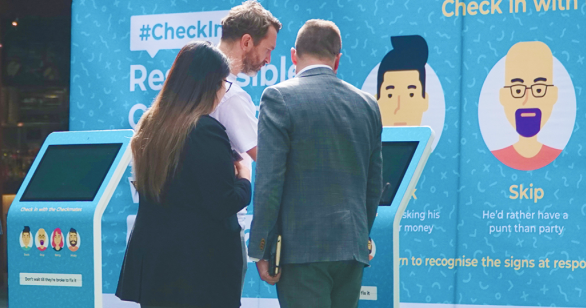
<point>282,90</point>
<point>297,83</point>
<point>235,100</point>
<point>367,96</point>
<point>294,85</point>
<point>288,84</point>
<point>236,93</point>
<point>353,93</point>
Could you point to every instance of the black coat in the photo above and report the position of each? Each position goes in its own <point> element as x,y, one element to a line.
<point>187,250</point>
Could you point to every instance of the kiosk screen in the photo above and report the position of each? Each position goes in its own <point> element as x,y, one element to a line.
<point>396,159</point>
<point>71,172</point>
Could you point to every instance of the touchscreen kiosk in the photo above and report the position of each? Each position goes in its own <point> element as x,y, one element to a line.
<point>405,152</point>
<point>54,224</point>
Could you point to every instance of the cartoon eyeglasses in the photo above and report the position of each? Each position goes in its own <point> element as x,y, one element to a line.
<point>538,90</point>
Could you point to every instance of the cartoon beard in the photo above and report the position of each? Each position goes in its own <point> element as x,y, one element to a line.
<point>72,243</point>
<point>530,124</point>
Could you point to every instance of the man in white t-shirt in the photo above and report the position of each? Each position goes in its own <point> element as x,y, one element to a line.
<point>249,35</point>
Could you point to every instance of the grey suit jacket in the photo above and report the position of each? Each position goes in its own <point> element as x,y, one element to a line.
<point>320,164</point>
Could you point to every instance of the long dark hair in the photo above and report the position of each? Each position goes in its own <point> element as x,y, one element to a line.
<point>189,92</point>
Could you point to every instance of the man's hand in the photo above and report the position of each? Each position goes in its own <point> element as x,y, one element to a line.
<point>252,153</point>
<point>263,271</point>
<point>242,172</point>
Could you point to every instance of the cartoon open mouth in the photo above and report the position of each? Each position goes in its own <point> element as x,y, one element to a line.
<point>42,242</point>
<point>528,121</point>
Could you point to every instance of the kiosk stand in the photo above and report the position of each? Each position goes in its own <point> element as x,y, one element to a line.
<point>54,224</point>
<point>55,255</point>
<point>405,153</point>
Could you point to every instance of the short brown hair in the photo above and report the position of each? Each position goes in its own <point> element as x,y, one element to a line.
<point>320,38</point>
<point>248,18</point>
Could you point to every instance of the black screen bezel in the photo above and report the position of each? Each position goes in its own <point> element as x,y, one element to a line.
<point>25,196</point>
<point>415,145</point>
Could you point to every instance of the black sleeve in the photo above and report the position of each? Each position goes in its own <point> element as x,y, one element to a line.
<point>210,162</point>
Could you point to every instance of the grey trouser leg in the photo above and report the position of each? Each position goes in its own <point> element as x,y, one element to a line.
<point>320,285</point>
<point>244,259</point>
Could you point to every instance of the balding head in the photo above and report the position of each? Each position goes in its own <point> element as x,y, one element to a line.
<point>320,39</point>
<point>529,61</point>
<point>530,92</point>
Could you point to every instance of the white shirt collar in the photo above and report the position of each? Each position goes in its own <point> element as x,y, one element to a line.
<point>231,77</point>
<point>307,68</point>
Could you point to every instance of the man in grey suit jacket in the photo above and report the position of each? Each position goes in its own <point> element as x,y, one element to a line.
<point>319,166</point>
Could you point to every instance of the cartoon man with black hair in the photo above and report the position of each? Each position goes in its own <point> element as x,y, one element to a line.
<point>401,82</point>
<point>26,238</point>
<point>72,237</point>
<point>528,98</point>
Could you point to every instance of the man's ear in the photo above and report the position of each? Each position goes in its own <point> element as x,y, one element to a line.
<point>337,62</point>
<point>294,55</point>
<point>246,42</point>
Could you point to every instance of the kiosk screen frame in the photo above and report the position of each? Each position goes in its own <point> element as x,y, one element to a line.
<point>400,153</point>
<point>72,172</point>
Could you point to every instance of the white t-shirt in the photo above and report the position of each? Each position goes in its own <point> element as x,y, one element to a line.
<point>237,113</point>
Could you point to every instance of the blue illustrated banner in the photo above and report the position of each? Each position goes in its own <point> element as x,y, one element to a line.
<point>498,214</point>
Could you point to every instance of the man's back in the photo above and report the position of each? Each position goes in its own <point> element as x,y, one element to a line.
<point>328,133</point>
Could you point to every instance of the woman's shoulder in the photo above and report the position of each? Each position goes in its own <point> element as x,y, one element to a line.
<point>208,122</point>
<point>208,127</point>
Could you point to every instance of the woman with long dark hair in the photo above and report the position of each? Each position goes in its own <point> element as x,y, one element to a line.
<point>185,250</point>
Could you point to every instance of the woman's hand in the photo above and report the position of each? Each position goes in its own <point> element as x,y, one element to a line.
<point>242,172</point>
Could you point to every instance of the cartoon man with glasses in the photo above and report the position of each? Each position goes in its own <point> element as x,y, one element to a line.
<point>528,98</point>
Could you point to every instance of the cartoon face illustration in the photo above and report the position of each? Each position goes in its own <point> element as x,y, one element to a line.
<point>401,91</point>
<point>73,239</point>
<point>25,237</point>
<point>41,239</point>
<point>529,94</point>
<point>57,240</point>
<point>371,249</point>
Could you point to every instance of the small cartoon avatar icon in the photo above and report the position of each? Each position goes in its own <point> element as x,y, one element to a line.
<point>528,98</point>
<point>25,239</point>
<point>401,82</point>
<point>73,237</point>
<point>41,240</point>
<point>371,249</point>
<point>57,240</point>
